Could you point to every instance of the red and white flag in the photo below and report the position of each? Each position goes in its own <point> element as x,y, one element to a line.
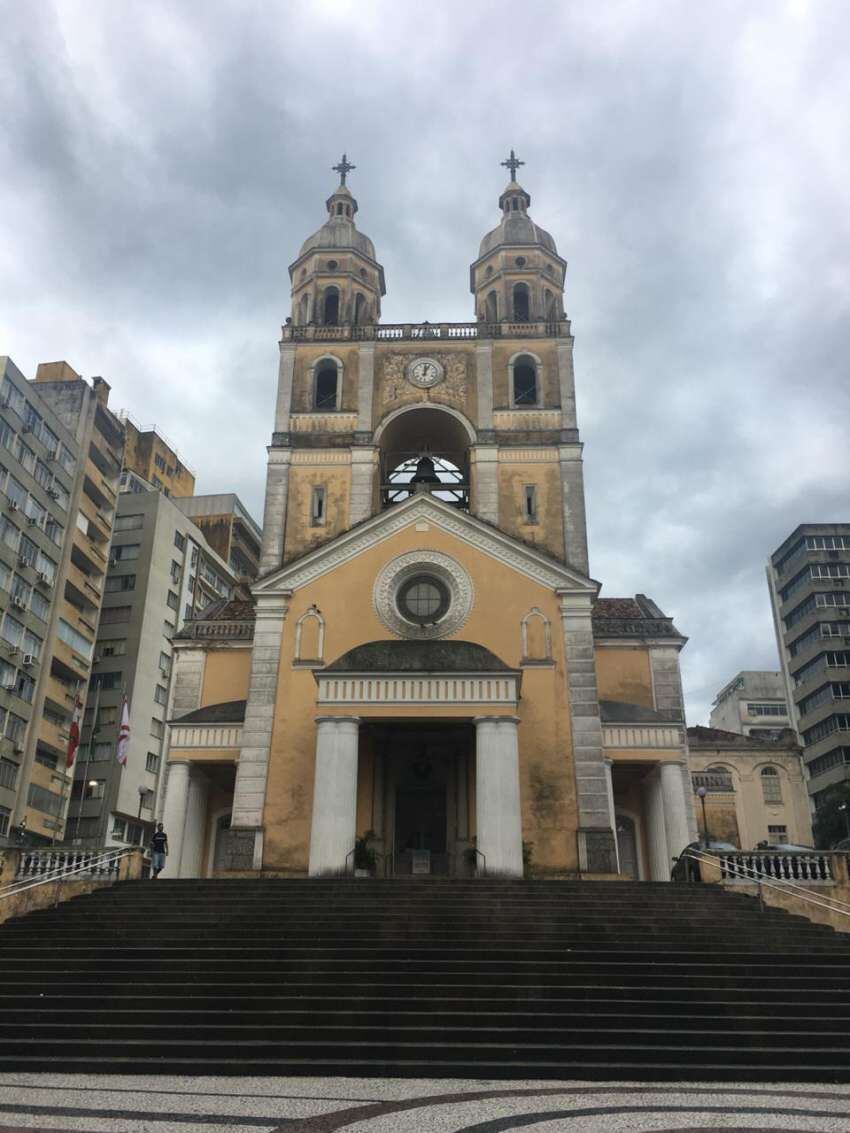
<point>123,734</point>
<point>74,737</point>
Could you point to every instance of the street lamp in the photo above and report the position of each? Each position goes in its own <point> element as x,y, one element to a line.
<point>701,793</point>
<point>143,793</point>
<point>846,812</point>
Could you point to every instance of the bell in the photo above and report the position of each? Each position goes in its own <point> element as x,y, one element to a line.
<point>425,473</point>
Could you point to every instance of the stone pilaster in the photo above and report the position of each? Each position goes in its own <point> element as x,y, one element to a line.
<point>366,387</point>
<point>249,794</point>
<point>285,373</point>
<point>334,825</point>
<point>675,808</point>
<point>364,468</point>
<point>656,831</point>
<point>596,841</point>
<point>567,381</point>
<point>484,384</point>
<point>572,502</point>
<point>274,513</point>
<point>667,680</point>
<point>484,468</point>
<point>497,798</point>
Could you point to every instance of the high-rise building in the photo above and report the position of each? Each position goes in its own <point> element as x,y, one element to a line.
<point>809,581</point>
<point>229,529</point>
<point>151,457</point>
<point>61,459</point>
<point>427,659</point>
<point>754,701</point>
<point>161,572</point>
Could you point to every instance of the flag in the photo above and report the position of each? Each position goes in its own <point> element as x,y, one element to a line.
<point>74,737</point>
<point>123,734</point>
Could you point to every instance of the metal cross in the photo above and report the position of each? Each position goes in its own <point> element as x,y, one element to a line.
<point>345,167</point>
<point>513,163</point>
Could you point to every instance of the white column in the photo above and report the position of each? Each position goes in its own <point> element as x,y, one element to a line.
<point>675,808</point>
<point>656,833</point>
<point>498,815</point>
<point>609,783</point>
<point>174,813</point>
<point>192,855</point>
<point>333,829</point>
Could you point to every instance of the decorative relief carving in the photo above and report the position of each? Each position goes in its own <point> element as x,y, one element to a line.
<point>506,419</point>
<point>398,570</point>
<point>395,388</point>
<point>323,422</point>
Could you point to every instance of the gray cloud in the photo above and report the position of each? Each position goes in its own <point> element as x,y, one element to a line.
<point>162,163</point>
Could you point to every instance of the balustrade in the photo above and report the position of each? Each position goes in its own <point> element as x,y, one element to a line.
<point>389,332</point>
<point>33,864</point>
<point>743,866</point>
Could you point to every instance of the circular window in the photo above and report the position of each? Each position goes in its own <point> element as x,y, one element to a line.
<point>423,599</point>
<point>332,265</point>
<point>520,261</point>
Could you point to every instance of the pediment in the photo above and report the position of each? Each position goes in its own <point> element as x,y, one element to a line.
<point>464,527</point>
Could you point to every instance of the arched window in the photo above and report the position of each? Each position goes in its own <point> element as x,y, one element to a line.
<point>525,380</point>
<point>359,310</point>
<point>491,307</point>
<point>326,385</point>
<point>771,785</point>
<point>339,209</point>
<point>330,311</point>
<point>521,303</point>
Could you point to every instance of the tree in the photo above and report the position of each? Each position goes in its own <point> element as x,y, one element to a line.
<point>831,824</point>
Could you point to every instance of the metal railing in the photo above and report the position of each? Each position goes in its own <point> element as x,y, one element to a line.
<point>735,870</point>
<point>41,867</point>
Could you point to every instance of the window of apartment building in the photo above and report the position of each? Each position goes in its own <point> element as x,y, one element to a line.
<point>173,600</point>
<point>179,541</point>
<point>46,759</point>
<point>110,615</point>
<point>118,583</point>
<point>24,686</point>
<point>830,570</point>
<point>8,773</point>
<point>21,590</point>
<point>165,664</point>
<point>838,722</point>
<point>27,551</point>
<point>771,785</point>
<point>107,681</point>
<point>102,750</point>
<point>46,566</point>
<point>159,461</point>
<point>32,643</point>
<point>9,533</point>
<point>12,397</point>
<point>835,629</point>
<point>8,675</point>
<point>161,694</point>
<point>125,552</point>
<point>12,631</point>
<point>7,436</point>
<point>117,647</point>
<point>5,577</point>
<point>39,605</point>
<point>187,611</point>
<point>777,835</point>
<point>42,474</point>
<point>5,816</point>
<point>59,493</point>
<point>54,530</point>
<point>16,726</point>
<point>25,456</point>
<point>66,459</point>
<point>34,511</point>
<point>834,758</point>
<point>157,728</point>
<point>800,612</point>
<point>756,709</point>
<point>195,557</point>
<point>175,571</point>
<point>107,715</point>
<point>16,492</point>
<point>128,522</point>
<point>119,826</point>
<point>49,439</point>
<point>135,833</point>
<point>72,637</point>
<point>152,762</point>
<point>39,798</point>
<point>95,789</point>
<point>835,598</point>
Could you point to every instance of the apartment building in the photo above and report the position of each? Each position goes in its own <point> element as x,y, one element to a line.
<point>809,581</point>
<point>60,459</point>
<point>162,572</point>
<point>151,457</point>
<point>229,529</point>
<point>752,703</point>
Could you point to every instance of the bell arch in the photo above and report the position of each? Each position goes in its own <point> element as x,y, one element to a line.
<point>425,447</point>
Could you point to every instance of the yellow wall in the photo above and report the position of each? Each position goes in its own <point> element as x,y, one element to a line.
<point>226,675</point>
<point>624,674</point>
<point>302,386</point>
<point>344,598</point>
<point>301,535</point>
<point>548,532</point>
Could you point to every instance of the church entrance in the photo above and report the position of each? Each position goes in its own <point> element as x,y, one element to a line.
<point>422,792</point>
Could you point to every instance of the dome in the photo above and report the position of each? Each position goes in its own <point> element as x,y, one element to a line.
<point>518,228</point>
<point>339,232</point>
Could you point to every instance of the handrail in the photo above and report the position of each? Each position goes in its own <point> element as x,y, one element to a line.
<point>109,857</point>
<point>481,854</point>
<point>832,904</point>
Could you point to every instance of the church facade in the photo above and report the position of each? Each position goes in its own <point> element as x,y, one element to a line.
<point>427,664</point>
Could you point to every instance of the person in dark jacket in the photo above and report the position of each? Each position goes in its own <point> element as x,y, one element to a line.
<point>159,851</point>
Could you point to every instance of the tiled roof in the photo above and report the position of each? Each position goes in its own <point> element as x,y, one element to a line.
<point>632,617</point>
<point>230,712</point>
<point>418,657</point>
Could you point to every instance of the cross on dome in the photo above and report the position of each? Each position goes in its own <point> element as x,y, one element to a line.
<point>345,167</point>
<point>513,163</point>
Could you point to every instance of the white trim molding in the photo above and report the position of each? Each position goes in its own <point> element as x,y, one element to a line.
<point>668,738</point>
<point>420,689</point>
<point>187,736</point>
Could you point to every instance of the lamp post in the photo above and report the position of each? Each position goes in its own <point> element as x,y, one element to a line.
<point>701,793</point>
<point>846,812</point>
<point>143,794</point>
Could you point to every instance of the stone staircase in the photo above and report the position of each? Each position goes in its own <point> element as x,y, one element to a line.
<point>486,979</point>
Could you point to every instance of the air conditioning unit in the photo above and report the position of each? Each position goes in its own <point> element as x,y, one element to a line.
<point>42,578</point>
<point>54,495</point>
<point>32,520</point>
<point>19,603</point>
<point>12,505</point>
<point>23,561</point>
<point>27,429</point>
<point>29,660</point>
<point>52,455</point>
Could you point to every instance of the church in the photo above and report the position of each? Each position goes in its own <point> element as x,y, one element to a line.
<point>426,668</point>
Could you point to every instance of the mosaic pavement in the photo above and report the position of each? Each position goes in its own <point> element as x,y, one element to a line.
<point>162,1104</point>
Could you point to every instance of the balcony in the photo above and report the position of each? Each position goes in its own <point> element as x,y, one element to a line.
<point>418,332</point>
<point>712,781</point>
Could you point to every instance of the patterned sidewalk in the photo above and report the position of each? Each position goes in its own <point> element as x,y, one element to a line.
<point>163,1104</point>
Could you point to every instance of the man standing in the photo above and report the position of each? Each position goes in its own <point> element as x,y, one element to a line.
<point>159,850</point>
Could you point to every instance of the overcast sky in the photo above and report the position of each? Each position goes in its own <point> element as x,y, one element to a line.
<point>161,163</point>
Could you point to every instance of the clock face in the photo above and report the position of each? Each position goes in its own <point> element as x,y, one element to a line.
<point>424,372</point>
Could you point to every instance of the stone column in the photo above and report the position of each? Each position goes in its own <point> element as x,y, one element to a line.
<point>498,815</point>
<point>484,383</point>
<point>334,825</point>
<point>484,467</point>
<point>567,383</point>
<point>285,374</point>
<point>364,463</point>
<point>572,506</point>
<point>174,813</point>
<point>366,386</point>
<point>192,855</point>
<point>609,782</point>
<point>675,808</point>
<point>656,833</point>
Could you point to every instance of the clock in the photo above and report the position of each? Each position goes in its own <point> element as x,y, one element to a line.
<point>425,372</point>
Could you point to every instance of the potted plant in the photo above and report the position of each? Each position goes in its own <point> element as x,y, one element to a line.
<point>365,858</point>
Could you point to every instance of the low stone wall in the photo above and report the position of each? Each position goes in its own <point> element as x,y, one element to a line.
<point>777,896</point>
<point>55,892</point>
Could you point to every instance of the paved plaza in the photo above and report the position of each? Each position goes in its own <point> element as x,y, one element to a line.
<point>163,1104</point>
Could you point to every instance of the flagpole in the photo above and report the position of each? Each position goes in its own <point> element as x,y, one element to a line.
<point>92,734</point>
<point>66,779</point>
